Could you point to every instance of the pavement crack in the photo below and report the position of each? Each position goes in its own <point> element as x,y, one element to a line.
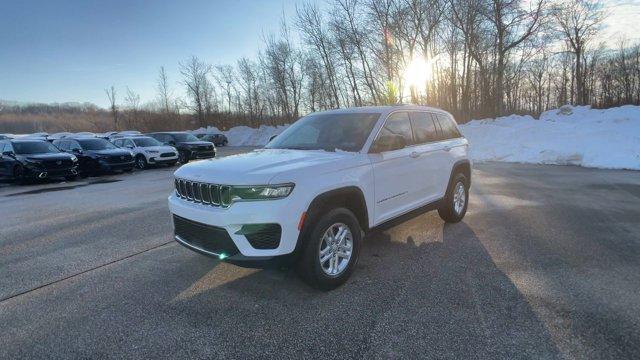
<point>83,272</point>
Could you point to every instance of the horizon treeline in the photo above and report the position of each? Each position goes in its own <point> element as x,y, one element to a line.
<point>474,58</point>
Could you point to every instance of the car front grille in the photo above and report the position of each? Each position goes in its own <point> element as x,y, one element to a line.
<point>167,154</point>
<point>57,164</point>
<point>203,193</point>
<point>211,239</point>
<point>205,148</point>
<point>116,159</point>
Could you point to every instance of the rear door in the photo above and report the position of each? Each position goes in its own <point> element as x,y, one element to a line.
<point>431,160</point>
<point>453,145</point>
<point>394,171</point>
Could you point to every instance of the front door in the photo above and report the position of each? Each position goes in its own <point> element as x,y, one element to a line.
<point>394,172</point>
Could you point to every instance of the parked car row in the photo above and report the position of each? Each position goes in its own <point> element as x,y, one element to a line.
<point>67,155</point>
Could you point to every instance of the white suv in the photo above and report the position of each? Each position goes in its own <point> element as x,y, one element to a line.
<point>314,190</point>
<point>148,151</point>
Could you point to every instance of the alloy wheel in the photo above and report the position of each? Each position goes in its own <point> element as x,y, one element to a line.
<point>459,198</point>
<point>336,248</point>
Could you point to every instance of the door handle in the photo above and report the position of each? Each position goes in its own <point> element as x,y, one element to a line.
<point>447,148</point>
<point>414,154</point>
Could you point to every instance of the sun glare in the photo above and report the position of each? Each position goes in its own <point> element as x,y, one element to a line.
<point>417,74</point>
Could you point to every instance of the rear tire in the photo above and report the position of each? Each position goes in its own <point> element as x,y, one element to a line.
<point>336,237</point>
<point>456,200</point>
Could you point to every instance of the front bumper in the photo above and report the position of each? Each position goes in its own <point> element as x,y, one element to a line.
<point>43,172</point>
<point>105,166</point>
<point>202,155</point>
<point>233,219</point>
<point>156,159</point>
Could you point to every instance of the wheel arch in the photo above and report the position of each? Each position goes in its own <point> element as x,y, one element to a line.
<point>349,197</point>
<point>461,166</point>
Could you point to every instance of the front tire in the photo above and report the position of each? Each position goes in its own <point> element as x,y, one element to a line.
<point>183,158</point>
<point>18,174</point>
<point>456,200</point>
<point>141,162</point>
<point>331,251</point>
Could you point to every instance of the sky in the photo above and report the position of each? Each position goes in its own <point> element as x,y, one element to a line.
<point>64,50</point>
<point>71,50</point>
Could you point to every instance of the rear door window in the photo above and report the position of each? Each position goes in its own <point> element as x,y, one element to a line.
<point>424,129</point>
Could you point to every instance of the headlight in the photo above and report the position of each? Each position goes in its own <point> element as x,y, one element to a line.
<point>74,158</point>
<point>131,153</point>
<point>260,192</point>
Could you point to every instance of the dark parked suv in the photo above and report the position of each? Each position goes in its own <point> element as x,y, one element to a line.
<point>96,155</point>
<point>189,147</point>
<point>216,139</point>
<point>35,159</point>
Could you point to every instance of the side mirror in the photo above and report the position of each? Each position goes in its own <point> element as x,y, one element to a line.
<point>129,146</point>
<point>7,153</point>
<point>389,143</point>
<point>76,150</point>
<point>273,137</point>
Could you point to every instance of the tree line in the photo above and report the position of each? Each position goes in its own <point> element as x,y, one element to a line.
<point>474,58</point>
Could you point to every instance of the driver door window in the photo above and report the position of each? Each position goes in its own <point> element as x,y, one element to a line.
<point>398,124</point>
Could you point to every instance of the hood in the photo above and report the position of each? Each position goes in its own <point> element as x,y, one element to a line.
<point>48,156</point>
<point>260,166</point>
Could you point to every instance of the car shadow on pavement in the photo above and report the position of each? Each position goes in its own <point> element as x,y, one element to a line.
<point>431,291</point>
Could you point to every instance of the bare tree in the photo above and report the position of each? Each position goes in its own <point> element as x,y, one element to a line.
<point>165,93</point>
<point>224,74</point>
<point>579,21</point>
<point>132,104</point>
<point>195,78</point>
<point>111,94</point>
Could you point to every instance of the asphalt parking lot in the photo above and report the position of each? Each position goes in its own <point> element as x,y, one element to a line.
<point>545,265</point>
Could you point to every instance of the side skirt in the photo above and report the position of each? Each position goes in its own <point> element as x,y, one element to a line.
<point>407,216</point>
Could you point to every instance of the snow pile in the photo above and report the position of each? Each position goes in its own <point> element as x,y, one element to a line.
<point>244,135</point>
<point>568,136</point>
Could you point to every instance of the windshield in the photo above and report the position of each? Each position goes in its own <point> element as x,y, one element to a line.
<point>330,132</point>
<point>96,144</point>
<point>184,137</point>
<point>34,147</point>
<point>146,141</point>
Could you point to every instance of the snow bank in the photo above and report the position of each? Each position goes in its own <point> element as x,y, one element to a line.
<point>568,136</point>
<point>244,135</point>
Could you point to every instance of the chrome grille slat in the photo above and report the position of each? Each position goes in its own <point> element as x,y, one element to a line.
<point>197,195</point>
<point>203,193</point>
